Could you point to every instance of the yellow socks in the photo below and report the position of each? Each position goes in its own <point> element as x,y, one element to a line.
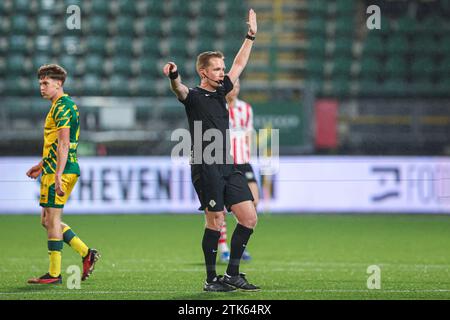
<point>54,252</point>
<point>72,240</point>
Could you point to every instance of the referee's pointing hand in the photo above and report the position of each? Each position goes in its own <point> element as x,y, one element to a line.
<point>169,67</point>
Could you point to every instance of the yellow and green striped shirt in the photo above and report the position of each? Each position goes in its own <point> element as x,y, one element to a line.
<point>63,114</point>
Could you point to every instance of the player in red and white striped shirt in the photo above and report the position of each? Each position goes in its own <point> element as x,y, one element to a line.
<point>241,130</point>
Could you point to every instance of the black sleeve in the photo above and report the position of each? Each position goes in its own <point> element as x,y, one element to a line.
<point>227,84</point>
<point>187,102</point>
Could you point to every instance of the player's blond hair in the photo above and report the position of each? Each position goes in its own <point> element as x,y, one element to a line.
<point>53,71</point>
<point>204,58</point>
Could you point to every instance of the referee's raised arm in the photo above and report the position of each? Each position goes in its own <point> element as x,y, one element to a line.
<point>240,61</point>
<point>181,91</point>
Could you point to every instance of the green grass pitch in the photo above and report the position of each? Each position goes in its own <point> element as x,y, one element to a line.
<point>294,257</point>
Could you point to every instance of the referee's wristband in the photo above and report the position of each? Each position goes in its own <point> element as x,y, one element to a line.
<point>249,37</point>
<point>173,75</point>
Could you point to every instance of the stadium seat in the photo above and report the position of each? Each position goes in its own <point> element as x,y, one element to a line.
<point>342,66</point>
<point>124,25</point>
<point>340,86</point>
<point>19,44</point>
<point>150,46</point>
<point>397,44</point>
<point>316,46</point>
<point>22,7</point>
<point>91,84</point>
<point>117,85</point>
<point>72,85</point>
<point>373,45</point>
<point>422,66</point>
<point>42,43</point>
<point>369,86</point>
<point>444,67</point>
<point>98,25</point>
<point>178,46</point>
<point>5,9</point>
<point>73,2</point>
<point>431,25</point>
<point>127,8</point>
<point>206,24</point>
<point>153,8</point>
<point>370,66</point>
<point>318,7</point>
<point>206,44</point>
<point>122,45</point>
<point>20,24</point>
<point>94,64</point>
<point>68,62</point>
<point>442,85</point>
<point>16,64</point>
<point>2,66</point>
<point>17,86</point>
<point>315,83</point>
<point>148,66</point>
<point>99,8</point>
<point>191,72</point>
<point>345,7</point>
<point>407,25</point>
<point>345,25</point>
<point>343,46</point>
<point>395,66</point>
<point>314,66</point>
<point>179,26</point>
<point>209,9</point>
<point>424,86</point>
<point>231,48</point>
<point>145,86</point>
<point>444,45</point>
<point>386,27</point>
<point>40,59</point>
<point>179,8</point>
<point>233,6</point>
<point>395,87</point>
<point>315,25</point>
<point>122,65</point>
<point>235,25</point>
<point>95,45</point>
<point>45,24</point>
<point>425,45</point>
<point>152,26</point>
<point>5,26</point>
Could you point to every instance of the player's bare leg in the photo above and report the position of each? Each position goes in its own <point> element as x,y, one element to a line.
<point>51,219</point>
<point>89,256</point>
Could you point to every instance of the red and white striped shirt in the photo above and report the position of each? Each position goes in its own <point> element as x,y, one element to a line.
<point>241,127</point>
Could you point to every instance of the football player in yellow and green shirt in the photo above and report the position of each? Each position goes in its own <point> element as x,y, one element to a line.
<point>60,170</point>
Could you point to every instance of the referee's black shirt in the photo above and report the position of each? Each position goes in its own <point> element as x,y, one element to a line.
<point>209,107</point>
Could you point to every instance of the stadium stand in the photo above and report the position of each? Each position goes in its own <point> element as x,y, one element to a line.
<point>319,45</point>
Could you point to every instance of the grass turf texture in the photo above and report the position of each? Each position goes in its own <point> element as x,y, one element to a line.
<point>294,257</point>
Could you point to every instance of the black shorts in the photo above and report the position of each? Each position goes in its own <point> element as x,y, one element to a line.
<point>247,171</point>
<point>219,186</point>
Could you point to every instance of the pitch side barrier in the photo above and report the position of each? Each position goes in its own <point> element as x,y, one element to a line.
<point>304,184</point>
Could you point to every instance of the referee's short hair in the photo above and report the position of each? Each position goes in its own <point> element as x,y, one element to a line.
<point>53,71</point>
<point>204,57</point>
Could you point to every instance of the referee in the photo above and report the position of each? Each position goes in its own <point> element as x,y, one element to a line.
<point>218,183</point>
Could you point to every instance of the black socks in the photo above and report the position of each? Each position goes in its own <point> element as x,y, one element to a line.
<point>238,243</point>
<point>210,243</point>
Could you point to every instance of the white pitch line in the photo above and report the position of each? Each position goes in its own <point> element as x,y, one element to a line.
<point>193,292</point>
